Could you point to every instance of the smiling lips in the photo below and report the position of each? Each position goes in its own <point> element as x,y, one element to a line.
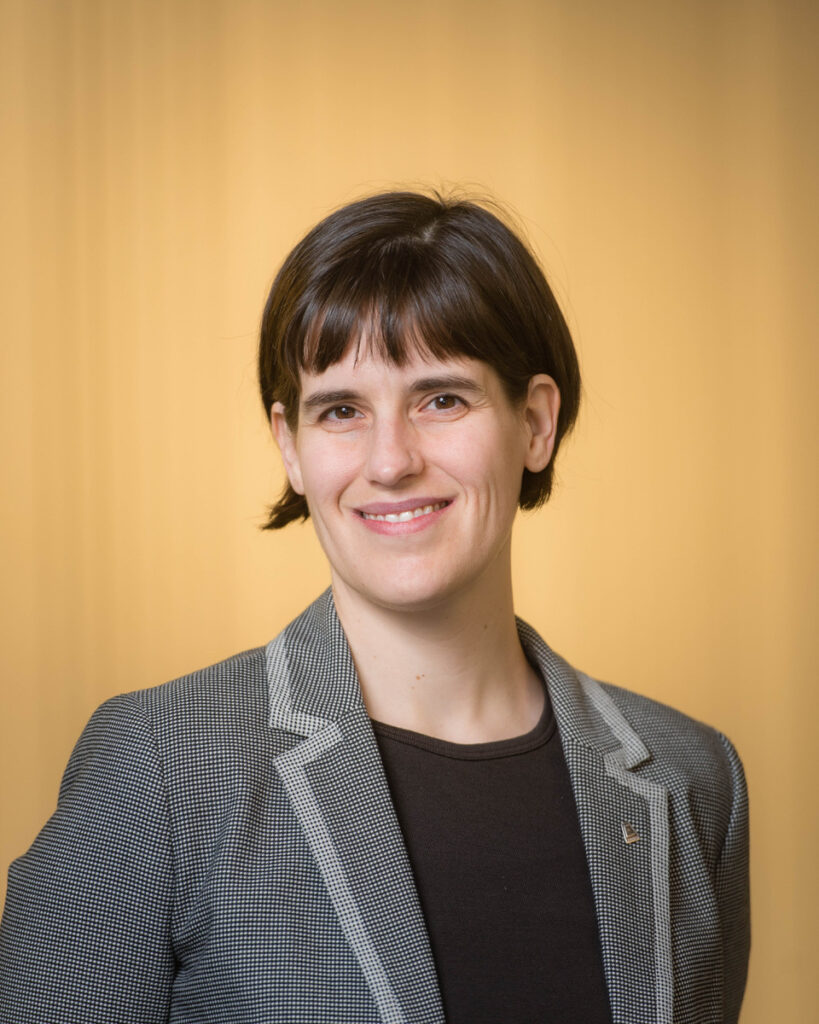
<point>406,515</point>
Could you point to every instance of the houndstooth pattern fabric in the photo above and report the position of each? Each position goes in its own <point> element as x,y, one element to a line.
<point>225,850</point>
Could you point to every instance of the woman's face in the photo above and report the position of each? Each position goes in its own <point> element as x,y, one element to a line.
<point>412,473</point>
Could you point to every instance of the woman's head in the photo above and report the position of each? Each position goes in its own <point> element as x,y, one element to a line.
<point>402,272</point>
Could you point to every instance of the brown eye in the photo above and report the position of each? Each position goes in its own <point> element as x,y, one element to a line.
<point>444,402</point>
<point>341,412</point>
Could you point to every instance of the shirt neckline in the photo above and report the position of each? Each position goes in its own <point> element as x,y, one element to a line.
<point>542,732</point>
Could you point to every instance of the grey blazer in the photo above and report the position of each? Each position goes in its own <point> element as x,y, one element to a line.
<point>225,850</point>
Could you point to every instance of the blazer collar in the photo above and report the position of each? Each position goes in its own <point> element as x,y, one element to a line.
<point>585,713</point>
<point>310,671</point>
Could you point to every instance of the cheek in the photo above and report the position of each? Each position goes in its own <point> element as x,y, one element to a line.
<point>487,464</point>
<point>327,469</point>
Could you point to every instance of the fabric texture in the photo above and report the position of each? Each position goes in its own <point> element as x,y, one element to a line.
<point>225,850</point>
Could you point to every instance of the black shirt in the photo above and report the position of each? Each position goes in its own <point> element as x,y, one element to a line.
<point>495,846</point>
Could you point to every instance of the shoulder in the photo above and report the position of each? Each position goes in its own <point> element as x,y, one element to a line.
<point>167,763</point>
<point>672,737</point>
<point>627,727</point>
<point>664,728</point>
<point>209,699</point>
<point>238,683</point>
<point>193,726</point>
<point>695,762</point>
<point>173,731</point>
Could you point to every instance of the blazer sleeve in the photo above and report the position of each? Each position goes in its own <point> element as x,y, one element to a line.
<point>732,885</point>
<point>85,935</point>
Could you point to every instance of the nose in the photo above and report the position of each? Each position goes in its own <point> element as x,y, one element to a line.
<point>393,452</point>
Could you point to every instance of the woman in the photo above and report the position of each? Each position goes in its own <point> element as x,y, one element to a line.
<point>406,808</point>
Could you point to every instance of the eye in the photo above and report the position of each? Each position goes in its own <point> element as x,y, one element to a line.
<point>443,403</point>
<point>340,412</point>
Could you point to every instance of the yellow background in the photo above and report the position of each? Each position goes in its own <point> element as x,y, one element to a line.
<point>159,159</point>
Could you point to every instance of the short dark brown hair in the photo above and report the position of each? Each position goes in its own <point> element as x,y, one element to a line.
<point>410,271</point>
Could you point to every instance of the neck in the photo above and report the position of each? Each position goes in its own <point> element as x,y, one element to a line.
<point>455,671</point>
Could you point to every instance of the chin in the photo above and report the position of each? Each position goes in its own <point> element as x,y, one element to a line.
<point>412,595</point>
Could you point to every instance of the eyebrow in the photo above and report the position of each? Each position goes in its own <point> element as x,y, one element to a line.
<point>319,399</point>
<point>450,382</point>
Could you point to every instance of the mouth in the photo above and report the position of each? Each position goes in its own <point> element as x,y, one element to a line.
<point>403,514</point>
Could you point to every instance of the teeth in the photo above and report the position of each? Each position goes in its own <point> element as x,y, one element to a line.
<point>404,517</point>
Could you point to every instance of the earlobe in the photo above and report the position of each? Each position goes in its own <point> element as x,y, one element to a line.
<point>542,408</point>
<point>286,441</point>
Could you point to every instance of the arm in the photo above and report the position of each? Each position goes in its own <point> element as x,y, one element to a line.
<point>85,935</point>
<point>733,891</point>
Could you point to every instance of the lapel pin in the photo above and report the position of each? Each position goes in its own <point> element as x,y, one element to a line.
<point>629,834</point>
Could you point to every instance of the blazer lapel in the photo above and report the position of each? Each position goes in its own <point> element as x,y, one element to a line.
<point>333,776</point>
<point>624,823</point>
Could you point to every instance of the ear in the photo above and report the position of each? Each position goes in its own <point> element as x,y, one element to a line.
<point>541,409</point>
<point>286,440</point>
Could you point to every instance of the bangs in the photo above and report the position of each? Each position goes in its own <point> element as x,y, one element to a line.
<point>392,305</point>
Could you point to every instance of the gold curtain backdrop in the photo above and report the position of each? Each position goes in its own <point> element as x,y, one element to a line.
<point>159,159</point>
